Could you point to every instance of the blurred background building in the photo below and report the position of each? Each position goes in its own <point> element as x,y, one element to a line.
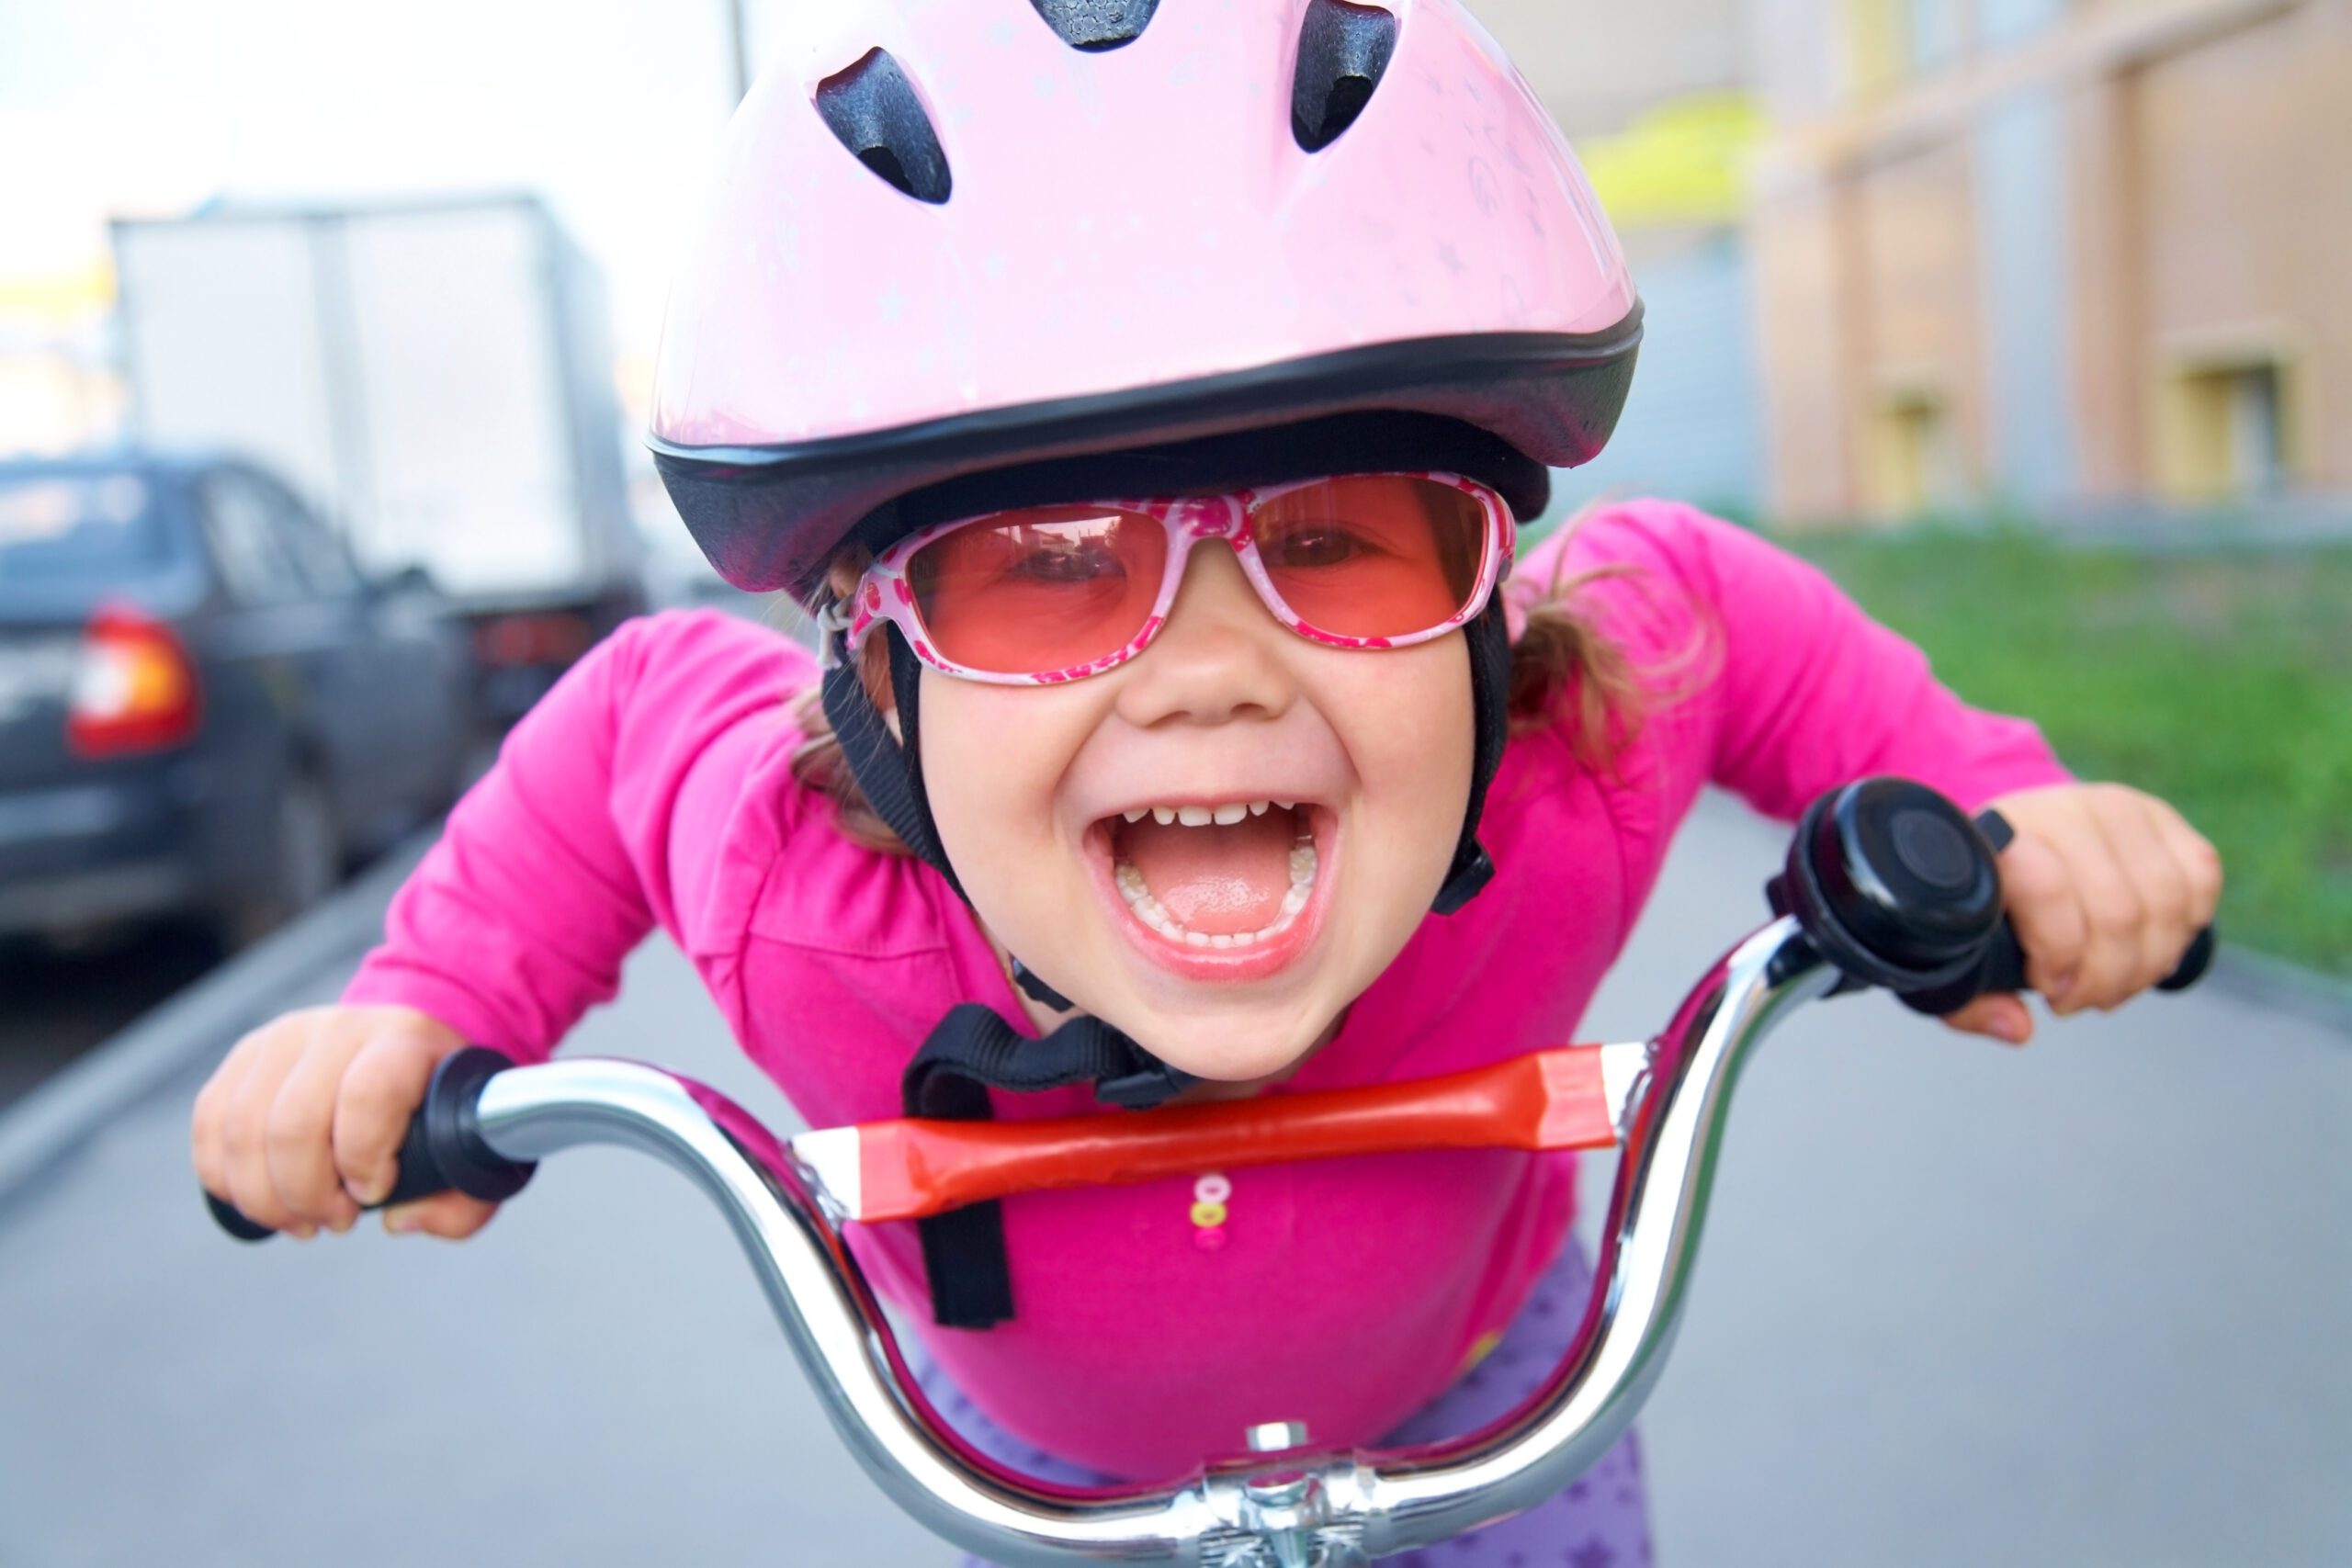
<point>2057,257</point>
<point>1660,105</point>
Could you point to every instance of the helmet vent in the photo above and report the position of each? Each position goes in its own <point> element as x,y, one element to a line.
<point>873,110</point>
<point>1097,25</point>
<point>1342,49</point>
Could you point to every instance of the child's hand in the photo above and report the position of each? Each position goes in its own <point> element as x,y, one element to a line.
<point>2106,887</point>
<point>303,1120</point>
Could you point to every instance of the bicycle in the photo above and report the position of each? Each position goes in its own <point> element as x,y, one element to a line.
<point>1886,885</point>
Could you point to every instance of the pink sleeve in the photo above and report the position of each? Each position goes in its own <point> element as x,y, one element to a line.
<point>1814,693</point>
<point>1797,690</point>
<point>606,814</point>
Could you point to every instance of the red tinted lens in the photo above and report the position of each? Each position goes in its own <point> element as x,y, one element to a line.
<point>1375,555</point>
<point>1039,591</point>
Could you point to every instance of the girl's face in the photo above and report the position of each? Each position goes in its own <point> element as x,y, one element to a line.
<point>1224,947</point>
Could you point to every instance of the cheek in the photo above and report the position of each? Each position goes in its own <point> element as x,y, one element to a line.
<point>993,758</point>
<point>1412,737</point>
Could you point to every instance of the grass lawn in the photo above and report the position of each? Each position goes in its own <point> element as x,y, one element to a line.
<point>2221,681</point>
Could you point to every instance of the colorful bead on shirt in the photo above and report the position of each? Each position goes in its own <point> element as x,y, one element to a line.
<point>1210,1194</point>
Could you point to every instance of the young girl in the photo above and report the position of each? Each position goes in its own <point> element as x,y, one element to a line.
<point>1143,401</point>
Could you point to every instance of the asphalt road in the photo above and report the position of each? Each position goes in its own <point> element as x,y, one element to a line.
<point>2082,1304</point>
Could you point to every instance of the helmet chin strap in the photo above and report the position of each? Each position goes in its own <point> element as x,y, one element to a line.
<point>1489,638</point>
<point>889,773</point>
<point>1036,990</point>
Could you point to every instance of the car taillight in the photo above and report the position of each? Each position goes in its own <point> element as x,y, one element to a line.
<point>135,688</point>
<point>553,637</point>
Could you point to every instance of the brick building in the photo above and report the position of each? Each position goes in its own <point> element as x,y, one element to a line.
<point>2068,255</point>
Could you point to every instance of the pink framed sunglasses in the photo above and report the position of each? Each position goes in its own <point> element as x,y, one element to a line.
<point>1039,596</point>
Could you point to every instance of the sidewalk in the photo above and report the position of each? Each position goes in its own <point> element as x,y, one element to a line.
<point>2077,1305</point>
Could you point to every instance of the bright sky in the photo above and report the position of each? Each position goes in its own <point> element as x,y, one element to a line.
<point>613,108</point>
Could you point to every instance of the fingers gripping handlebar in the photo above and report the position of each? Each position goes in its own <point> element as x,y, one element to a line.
<point>444,1148</point>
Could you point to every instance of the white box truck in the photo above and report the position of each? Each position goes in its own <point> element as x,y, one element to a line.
<point>434,377</point>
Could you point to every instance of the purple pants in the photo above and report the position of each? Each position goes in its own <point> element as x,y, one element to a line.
<point>1599,1522</point>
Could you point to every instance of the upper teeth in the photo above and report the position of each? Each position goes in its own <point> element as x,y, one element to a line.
<point>1203,816</point>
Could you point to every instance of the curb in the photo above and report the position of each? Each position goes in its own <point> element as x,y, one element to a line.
<point>2314,997</point>
<point>48,1124</point>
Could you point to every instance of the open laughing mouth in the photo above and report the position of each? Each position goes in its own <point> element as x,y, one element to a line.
<point>1222,890</point>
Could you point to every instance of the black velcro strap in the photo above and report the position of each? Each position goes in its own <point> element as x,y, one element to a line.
<point>1489,638</point>
<point>973,1050</point>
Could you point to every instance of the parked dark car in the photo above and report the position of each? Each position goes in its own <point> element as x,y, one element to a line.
<point>204,708</point>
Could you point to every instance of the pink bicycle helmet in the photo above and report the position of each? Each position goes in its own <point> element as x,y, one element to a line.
<point>955,236</point>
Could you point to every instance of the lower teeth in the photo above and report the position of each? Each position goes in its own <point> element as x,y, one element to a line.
<point>1152,913</point>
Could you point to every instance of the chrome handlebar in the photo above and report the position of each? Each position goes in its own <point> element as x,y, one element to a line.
<point>1289,1510</point>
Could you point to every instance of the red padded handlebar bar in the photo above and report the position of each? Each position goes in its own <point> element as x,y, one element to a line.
<point>906,1169</point>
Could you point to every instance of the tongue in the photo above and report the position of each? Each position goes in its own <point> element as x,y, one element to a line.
<point>1215,880</point>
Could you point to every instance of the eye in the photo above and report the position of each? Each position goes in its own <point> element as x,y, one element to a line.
<point>1058,559</point>
<point>1314,544</point>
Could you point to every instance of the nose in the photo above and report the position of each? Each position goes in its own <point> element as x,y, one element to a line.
<point>1218,657</point>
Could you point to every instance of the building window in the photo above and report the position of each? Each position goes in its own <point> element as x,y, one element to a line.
<point>1917,463</point>
<point>1887,42</point>
<point>1876,49</point>
<point>2225,430</point>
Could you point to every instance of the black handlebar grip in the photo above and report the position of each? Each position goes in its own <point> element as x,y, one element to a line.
<point>231,1218</point>
<point>2193,964</point>
<point>2003,972</point>
<point>444,1148</point>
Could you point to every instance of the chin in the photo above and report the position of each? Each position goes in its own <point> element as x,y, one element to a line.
<point>1225,1049</point>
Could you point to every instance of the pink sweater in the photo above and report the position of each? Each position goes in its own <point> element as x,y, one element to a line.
<point>652,787</point>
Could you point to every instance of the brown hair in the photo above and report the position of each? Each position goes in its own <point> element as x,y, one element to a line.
<point>1563,672</point>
